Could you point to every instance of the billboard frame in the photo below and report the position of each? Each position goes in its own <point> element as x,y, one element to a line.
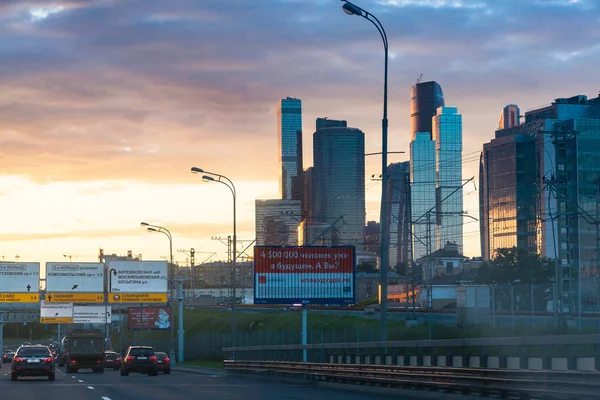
<point>141,318</point>
<point>305,301</point>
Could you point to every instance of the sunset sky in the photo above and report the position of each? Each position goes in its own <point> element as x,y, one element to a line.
<point>105,105</point>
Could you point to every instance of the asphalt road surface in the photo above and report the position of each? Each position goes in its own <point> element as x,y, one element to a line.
<point>178,385</point>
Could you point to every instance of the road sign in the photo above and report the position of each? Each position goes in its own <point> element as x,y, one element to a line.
<point>137,298</point>
<point>22,278</point>
<point>74,277</point>
<point>137,277</point>
<point>74,298</point>
<point>19,297</point>
<point>56,313</point>
<point>304,275</point>
<point>91,314</point>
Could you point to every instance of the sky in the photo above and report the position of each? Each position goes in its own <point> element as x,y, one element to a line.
<point>105,105</point>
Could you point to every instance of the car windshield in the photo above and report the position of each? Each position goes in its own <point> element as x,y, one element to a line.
<point>141,352</point>
<point>34,351</point>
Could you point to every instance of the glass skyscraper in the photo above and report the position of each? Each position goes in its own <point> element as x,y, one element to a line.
<point>277,222</point>
<point>447,134</point>
<point>398,200</point>
<point>338,183</point>
<point>425,99</point>
<point>422,194</point>
<point>289,137</point>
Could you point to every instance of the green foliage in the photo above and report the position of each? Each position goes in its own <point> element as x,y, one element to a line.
<point>513,264</point>
<point>367,302</point>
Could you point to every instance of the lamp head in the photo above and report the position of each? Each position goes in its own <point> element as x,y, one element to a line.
<point>351,9</point>
<point>150,229</point>
<point>207,178</point>
<point>196,170</point>
<point>144,224</point>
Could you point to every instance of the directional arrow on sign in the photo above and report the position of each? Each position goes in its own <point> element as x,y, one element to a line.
<point>49,297</point>
<point>74,287</point>
<point>28,288</point>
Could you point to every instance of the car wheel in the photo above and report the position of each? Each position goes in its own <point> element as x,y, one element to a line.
<point>14,377</point>
<point>51,377</point>
<point>167,371</point>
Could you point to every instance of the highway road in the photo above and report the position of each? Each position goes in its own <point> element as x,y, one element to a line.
<point>178,385</point>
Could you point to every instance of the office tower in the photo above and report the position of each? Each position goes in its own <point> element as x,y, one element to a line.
<point>398,200</point>
<point>277,222</point>
<point>447,134</point>
<point>289,137</point>
<point>422,194</point>
<point>339,184</point>
<point>425,99</point>
<point>541,192</point>
<point>509,117</point>
<point>330,123</point>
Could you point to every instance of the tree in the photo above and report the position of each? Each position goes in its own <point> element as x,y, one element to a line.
<point>516,265</point>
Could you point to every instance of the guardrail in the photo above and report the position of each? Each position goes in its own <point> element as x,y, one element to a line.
<point>478,381</point>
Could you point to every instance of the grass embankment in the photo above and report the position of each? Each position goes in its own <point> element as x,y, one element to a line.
<point>203,364</point>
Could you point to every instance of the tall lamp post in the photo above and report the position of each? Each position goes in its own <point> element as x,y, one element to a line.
<point>165,231</point>
<point>352,9</point>
<point>213,177</point>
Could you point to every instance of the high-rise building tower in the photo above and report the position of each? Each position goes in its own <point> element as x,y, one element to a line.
<point>289,137</point>
<point>509,117</point>
<point>447,134</point>
<point>398,200</point>
<point>422,194</point>
<point>339,184</point>
<point>277,222</point>
<point>330,123</point>
<point>425,99</point>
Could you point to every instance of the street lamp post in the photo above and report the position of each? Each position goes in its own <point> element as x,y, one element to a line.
<point>165,231</point>
<point>213,177</point>
<point>352,9</point>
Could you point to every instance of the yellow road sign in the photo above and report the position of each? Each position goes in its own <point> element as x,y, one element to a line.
<point>74,298</point>
<point>56,320</point>
<point>19,297</point>
<point>137,297</point>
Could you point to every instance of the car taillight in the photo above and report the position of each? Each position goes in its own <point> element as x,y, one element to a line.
<point>98,361</point>
<point>130,358</point>
<point>74,361</point>
<point>153,358</point>
<point>167,360</point>
<point>18,359</point>
<point>48,359</point>
<point>119,358</point>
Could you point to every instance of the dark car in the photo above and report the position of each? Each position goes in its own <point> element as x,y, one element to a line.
<point>7,356</point>
<point>32,361</point>
<point>139,359</point>
<point>112,360</point>
<point>163,362</point>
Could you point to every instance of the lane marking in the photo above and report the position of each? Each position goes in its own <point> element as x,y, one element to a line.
<point>106,398</point>
<point>80,381</point>
<point>72,376</point>
<point>91,387</point>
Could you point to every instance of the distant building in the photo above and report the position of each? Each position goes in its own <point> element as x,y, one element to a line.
<point>510,117</point>
<point>425,99</point>
<point>372,237</point>
<point>447,261</point>
<point>398,200</point>
<point>323,123</point>
<point>289,137</point>
<point>277,222</point>
<point>339,184</point>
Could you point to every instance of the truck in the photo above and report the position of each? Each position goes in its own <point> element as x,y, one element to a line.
<point>84,349</point>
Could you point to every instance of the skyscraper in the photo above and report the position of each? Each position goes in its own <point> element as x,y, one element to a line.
<point>425,99</point>
<point>277,222</point>
<point>398,200</point>
<point>422,194</point>
<point>339,183</point>
<point>330,123</point>
<point>289,137</point>
<point>509,117</point>
<point>447,134</point>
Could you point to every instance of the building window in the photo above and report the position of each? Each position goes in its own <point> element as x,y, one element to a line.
<point>449,267</point>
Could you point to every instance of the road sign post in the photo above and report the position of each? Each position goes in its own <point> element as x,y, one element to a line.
<point>68,282</point>
<point>137,281</point>
<point>19,282</point>
<point>59,313</point>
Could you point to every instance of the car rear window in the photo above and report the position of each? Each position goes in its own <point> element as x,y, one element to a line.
<point>110,356</point>
<point>34,351</point>
<point>141,352</point>
<point>161,356</point>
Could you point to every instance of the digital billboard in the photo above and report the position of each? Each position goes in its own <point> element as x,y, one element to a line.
<point>148,318</point>
<point>304,275</point>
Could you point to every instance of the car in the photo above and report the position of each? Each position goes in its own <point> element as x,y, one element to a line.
<point>7,356</point>
<point>32,361</point>
<point>139,359</point>
<point>163,362</point>
<point>112,360</point>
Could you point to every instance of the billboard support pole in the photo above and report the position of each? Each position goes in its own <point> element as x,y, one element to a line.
<point>304,332</point>
<point>58,335</point>
<point>180,330</point>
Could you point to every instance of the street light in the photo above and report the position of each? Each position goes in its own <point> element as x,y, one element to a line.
<point>210,177</point>
<point>162,229</point>
<point>352,9</point>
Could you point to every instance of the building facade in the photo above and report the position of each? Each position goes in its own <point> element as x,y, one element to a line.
<point>425,99</point>
<point>289,138</point>
<point>510,117</point>
<point>399,217</point>
<point>339,184</point>
<point>422,194</point>
<point>447,134</point>
<point>277,222</point>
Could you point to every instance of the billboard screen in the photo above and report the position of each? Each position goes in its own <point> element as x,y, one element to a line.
<point>148,318</point>
<point>304,275</point>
